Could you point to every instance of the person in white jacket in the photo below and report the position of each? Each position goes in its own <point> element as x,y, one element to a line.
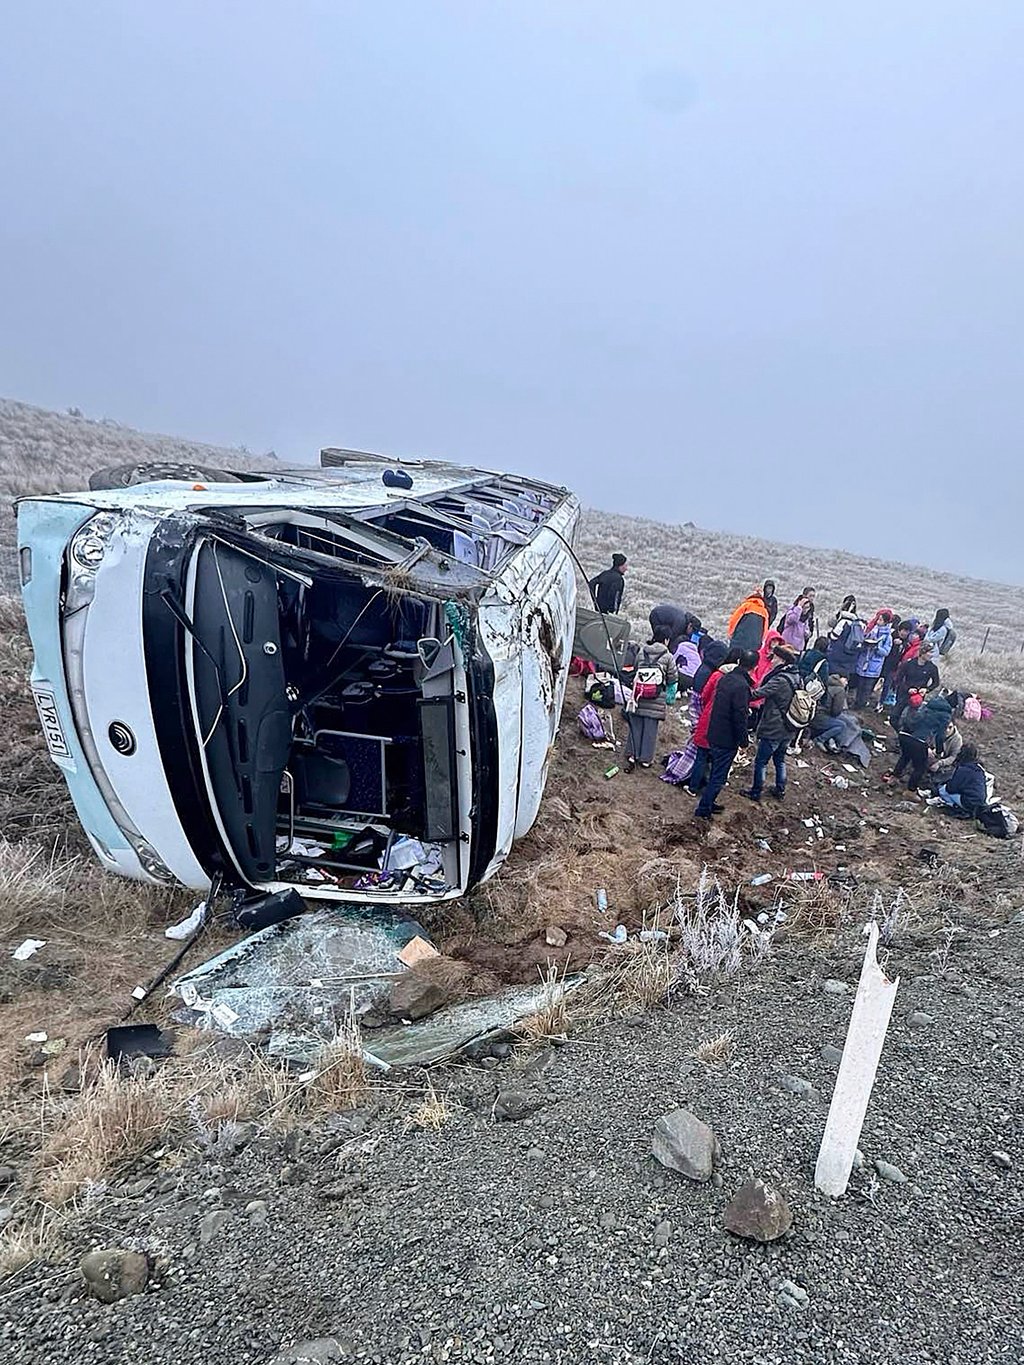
<point>941,633</point>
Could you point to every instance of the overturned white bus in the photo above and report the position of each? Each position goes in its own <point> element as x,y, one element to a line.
<point>342,680</point>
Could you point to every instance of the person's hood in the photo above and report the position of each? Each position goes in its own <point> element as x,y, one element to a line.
<point>727,668</point>
<point>714,653</point>
<point>939,704</point>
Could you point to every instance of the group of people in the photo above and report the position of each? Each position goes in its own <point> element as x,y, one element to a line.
<point>783,676</point>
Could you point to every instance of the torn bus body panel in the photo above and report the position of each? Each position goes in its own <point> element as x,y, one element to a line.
<point>292,986</point>
<point>323,682</point>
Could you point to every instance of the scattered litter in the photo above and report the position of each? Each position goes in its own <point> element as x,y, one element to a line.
<point>849,767</point>
<point>883,829</point>
<point>801,764</point>
<point>139,993</point>
<point>53,1047</point>
<point>765,846</point>
<point>36,1037</point>
<point>764,918</point>
<point>619,936</point>
<point>879,746</point>
<point>840,848</point>
<point>653,936</point>
<point>809,823</point>
<point>407,855</point>
<point>416,950</point>
<point>806,876</point>
<point>602,900</point>
<point>26,950</point>
<point>762,880</point>
<point>187,927</point>
<point>839,781</point>
<point>612,771</point>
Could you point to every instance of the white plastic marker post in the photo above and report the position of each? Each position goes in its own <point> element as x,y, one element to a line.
<point>872,1009</point>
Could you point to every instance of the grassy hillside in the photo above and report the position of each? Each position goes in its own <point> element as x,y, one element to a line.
<point>49,452</point>
<point>710,572</point>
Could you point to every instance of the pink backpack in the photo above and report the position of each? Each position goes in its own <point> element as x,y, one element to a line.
<point>972,709</point>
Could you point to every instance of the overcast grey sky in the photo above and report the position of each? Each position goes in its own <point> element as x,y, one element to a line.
<point>759,266</point>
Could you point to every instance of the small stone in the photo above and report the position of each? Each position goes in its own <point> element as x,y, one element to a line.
<point>555,937</point>
<point>834,987</point>
<point>489,1063</point>
<point>212,1223</point>
<point>502,1051</point>
<point>1003,1160</point>
<point>513,1105</point>
<point>546,1201</point>
<point>684,1144</point>
<point>758,1212</point>
<point>8,1176</point>
<point>6,1214</point>
<point>607,1221</point>
<point>113,1274</point>
<point>717,1180</point>
<point>990,1034</point>
<point>796,1085</point>
<point>831,1054</point>
<point>323,1351</point>
<point>256,1212</point>
<point>792,1295</point>
<point>429,985</point>
<point>859,1160</point>
<point>889,1172</point>
<point>918,1019</point>
<point>662,1234</point>
<point>535,1154</point>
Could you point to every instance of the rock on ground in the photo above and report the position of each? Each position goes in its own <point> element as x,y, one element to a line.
<point>114,1274</point>
<point>759,1212</point>
<point>683,1143</point>
<point>428,986</point>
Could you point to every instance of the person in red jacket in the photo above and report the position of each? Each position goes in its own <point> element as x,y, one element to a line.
<point>699,771</point>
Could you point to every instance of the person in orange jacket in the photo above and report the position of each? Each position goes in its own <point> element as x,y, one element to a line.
<point>748,623</point>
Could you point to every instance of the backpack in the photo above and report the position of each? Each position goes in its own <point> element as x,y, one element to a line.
<point>648,679</point>
<point>804,703</point>
<point>972,709</point>
<point>998,820</point>
<point>601,691</point>
<point>590,723</point>
<point>855,640</point>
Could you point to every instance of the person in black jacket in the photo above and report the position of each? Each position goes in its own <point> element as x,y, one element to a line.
<point>770,601</point>
<point>774,731</point>
<point>675,622</point>
<point>919,675</point>
<point>728,730</point>
<point>607,588</point>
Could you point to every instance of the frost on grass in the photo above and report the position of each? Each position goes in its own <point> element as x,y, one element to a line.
<point>714,938</point>
<point>892,918</point>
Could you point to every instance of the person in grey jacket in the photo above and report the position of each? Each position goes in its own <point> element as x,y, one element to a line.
<point>645,714</point>
<point>774,732</point>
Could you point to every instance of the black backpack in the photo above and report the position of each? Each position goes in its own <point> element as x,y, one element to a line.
<point>998,821</point>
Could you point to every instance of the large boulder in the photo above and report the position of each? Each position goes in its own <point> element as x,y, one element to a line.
<point>758,1212</point>
<point>684,1144</point>
<point>112,1274</point>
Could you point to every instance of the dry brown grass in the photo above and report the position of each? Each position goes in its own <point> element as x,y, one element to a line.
<point>819,911</point>
<point>340,1078</point>
<point>551,1019</point>
<point>715,1051</point>
<point>432,1113</point>
<point>115,1120</point>
<point>24,1243</point>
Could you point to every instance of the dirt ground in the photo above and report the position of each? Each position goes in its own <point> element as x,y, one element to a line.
<point>632,835</point>
<point>635,836</point>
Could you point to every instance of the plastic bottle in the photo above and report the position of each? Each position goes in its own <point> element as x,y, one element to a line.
<point>602,900</point>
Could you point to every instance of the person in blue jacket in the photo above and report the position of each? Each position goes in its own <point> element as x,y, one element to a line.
<point>966,789</point>
<point>877,644</point>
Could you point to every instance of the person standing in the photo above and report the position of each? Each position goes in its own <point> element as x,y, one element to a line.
<point>919,674</point>
<point>749,622</point>
<point>771,602</point>
<point>875,650</point>
<point>774,731</point>
<point>891,662</point>
<point>941,633</point>
<point>798,623</point>
<point>647,706</point>
<point>728,730</point>
<point>608,587</point>
<point>724,662</point>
